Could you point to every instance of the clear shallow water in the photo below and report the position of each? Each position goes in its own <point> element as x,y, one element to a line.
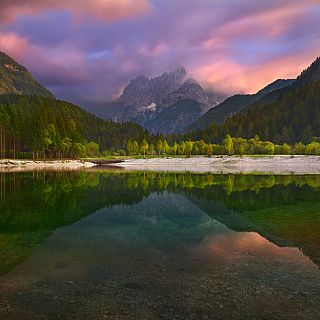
<point>119,245</point>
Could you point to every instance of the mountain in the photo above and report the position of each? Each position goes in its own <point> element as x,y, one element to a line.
<point>32,120</point>
<point>287,115</point>
<point>235,104</point>
<point>165,104</point>
<point>16,79</point>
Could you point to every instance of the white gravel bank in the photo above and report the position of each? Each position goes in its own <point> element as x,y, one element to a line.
<point>232,164</point>
<point>30,165</point>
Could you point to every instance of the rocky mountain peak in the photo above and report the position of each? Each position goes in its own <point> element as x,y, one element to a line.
<point>180,71</point>
<point>147,101</point>
<point>142,91</point>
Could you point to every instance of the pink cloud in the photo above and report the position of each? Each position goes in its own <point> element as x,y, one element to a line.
<point>51,63</point>
<point>152,51</point>
<point>13,45</point>
<point>109,10</point>
<point>231,46</point>
<point>222,67</point>
<point>231,77</point>
<point>269,23</point>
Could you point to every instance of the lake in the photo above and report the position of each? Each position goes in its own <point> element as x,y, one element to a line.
<point>112,244</point>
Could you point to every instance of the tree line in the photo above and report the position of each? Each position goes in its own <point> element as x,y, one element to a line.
<point>229,146</point>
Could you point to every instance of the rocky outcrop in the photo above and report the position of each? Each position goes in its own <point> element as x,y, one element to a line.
<point>165,104</point>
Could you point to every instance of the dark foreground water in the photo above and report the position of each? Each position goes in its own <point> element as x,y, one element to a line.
<point>119,245</point>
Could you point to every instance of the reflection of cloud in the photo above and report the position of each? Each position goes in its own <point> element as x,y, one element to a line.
<point>102,9</point>
<point>235,245</point>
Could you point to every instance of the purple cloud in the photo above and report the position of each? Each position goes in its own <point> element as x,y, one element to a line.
<point>89,54</point>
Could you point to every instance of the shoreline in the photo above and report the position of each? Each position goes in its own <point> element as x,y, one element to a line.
<point>300,164</point>
<point>10,165</point>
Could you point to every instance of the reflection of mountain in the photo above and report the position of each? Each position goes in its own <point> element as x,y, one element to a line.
<point>284,209</point>
<point>288,217</point>
<point>35,204</point>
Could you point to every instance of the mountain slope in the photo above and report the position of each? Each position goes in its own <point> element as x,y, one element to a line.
<point>16,79</point>
<point>145,101</point>
<point>180,114</point>
<point>235,104</point>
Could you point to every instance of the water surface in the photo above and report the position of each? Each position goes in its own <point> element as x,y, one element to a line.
<point>135,245</point>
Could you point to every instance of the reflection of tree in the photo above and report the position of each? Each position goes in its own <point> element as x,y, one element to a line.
<point>32,205</point>
<point>54,199</point>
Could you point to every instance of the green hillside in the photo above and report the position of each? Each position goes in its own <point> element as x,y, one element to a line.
<point>240,102</point>
<point>293,117</point>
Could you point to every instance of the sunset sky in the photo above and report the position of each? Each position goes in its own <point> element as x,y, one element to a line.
<point>88,50</point>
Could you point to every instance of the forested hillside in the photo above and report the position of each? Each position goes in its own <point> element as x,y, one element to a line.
<point>52,128</point>
<point>243,103</point>
<point>294,117</point>
<point>240,102</point>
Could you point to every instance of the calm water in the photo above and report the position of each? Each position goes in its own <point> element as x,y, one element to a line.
<point>121,245</point>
